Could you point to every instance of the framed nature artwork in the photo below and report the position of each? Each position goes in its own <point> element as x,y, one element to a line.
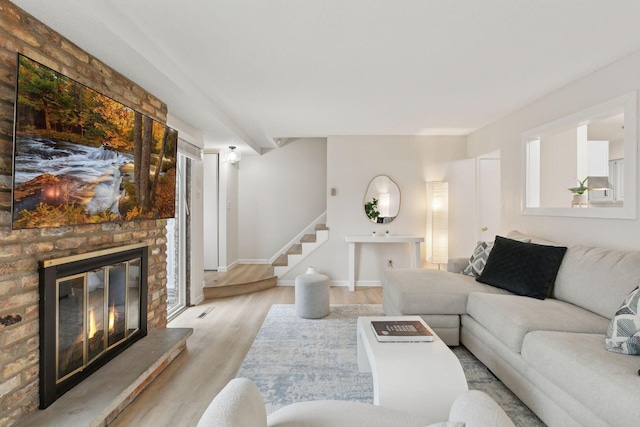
<point>81,157</point>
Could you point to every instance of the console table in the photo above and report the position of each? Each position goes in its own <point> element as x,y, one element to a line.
<point>353,240</point>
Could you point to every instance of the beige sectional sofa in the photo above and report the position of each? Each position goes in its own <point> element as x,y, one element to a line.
<point>550,353</point>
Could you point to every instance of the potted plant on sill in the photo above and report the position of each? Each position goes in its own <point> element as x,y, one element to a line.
<point>580,196</point>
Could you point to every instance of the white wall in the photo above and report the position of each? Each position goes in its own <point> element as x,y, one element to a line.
<point>280,194</point>
<point>410,161</point>
<point>463,226</point>
<point>614,80</point>
<point>559,155</point>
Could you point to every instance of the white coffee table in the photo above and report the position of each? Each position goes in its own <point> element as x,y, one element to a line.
<point>419,378</point>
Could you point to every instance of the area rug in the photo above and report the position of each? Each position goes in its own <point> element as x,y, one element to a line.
<point>294,359</point>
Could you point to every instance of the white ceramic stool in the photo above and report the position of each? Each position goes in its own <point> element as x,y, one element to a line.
<point>312,296</point>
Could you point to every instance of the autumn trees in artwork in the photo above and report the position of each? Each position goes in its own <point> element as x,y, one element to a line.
<point>145,185</point>
<point>53,108</point>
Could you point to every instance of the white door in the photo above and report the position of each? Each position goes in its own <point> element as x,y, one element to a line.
<point>210,200</point>
<point>488,197</point>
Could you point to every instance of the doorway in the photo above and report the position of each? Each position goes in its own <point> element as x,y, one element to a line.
<point>177,243</point>
<point>488,196</point>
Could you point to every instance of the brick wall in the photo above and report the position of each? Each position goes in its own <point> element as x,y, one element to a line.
<point>20,251</point>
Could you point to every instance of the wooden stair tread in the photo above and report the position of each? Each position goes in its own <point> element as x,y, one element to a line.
<point>282,261</point>
<point>308,238</point>
<point>240,280</point>
<point>295,249</point>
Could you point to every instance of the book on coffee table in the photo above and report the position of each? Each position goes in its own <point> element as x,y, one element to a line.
<point>400,331</point>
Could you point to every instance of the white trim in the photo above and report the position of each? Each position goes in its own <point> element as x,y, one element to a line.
<point>198,300</point>
<point>253,261</point>
<point>339,283</point>
<point>224,269</point>
<point>189,150</point>
<point>287,283</point>
<point>369,283</point>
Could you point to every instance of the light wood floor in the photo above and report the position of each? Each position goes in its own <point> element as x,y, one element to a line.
<point>214,353</point>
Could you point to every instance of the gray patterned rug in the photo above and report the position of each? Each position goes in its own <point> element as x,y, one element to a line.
<point>294,359</point>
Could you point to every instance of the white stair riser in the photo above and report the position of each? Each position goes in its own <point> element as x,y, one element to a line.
<point>307,249</point>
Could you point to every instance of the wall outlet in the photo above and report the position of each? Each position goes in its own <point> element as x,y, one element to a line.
<point>389,263</point>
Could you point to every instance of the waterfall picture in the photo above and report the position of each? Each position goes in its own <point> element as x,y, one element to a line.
<point>81,157</point>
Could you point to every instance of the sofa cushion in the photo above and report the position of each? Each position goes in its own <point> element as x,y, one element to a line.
<point>597,279</point>
<point>623,335</point>
<point>526,269</point>
<point>605,382</point>
<point>510,317</point>
<point>428,291</point>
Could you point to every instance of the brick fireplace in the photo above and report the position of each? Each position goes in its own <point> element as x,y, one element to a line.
<point>22,251</point>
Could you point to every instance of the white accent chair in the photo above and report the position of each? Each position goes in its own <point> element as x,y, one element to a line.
<point>240,404</point>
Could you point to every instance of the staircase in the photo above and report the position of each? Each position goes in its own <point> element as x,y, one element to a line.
<point>298,251</point>
<point>248,278</point>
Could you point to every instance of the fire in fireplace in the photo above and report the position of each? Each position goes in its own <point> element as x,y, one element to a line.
<point>93,306</point>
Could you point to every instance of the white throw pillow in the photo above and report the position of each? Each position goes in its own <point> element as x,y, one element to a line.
<point>623,334</point>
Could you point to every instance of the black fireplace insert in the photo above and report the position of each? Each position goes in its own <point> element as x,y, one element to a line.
<point>92,307</point>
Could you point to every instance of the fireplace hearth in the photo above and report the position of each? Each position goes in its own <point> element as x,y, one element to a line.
<point>92,307</point>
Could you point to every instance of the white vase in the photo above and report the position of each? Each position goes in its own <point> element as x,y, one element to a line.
<point>580,199</point>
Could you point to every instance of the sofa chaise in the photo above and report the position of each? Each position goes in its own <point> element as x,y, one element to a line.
<point>550,352</point>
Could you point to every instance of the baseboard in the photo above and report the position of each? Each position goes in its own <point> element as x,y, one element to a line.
<point>286,282</point>
<point>293,283</point>
<point>253,261</point>
<point>339,283</point>
<point>359,283</point>
<point>224,269</point>
<point>198,299</point>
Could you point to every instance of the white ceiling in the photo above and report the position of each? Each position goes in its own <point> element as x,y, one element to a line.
<point>248,72</point>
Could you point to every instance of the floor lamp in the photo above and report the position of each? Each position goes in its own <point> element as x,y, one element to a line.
<point>437,222</point>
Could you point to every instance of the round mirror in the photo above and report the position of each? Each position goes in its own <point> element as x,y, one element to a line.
<point>382,200</point>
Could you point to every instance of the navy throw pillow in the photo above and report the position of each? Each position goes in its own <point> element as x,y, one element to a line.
<point>526,269</point>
